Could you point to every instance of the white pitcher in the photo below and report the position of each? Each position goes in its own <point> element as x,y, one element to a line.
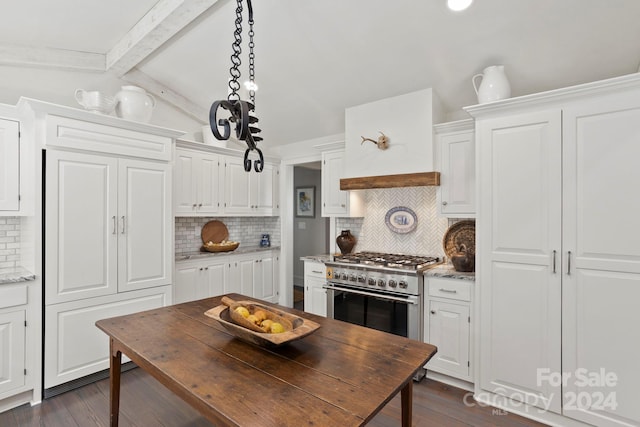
<point>134,103</point>
<point>494,85</point>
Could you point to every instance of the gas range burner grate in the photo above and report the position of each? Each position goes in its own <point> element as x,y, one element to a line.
<point>407,262</point>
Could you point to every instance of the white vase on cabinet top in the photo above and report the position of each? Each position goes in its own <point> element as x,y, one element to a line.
<point>134,103</point>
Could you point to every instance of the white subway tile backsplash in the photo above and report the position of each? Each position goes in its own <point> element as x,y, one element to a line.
<point>246,230</point>
<point>9,243</point>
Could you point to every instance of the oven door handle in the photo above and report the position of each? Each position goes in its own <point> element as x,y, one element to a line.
<point>371,294</point>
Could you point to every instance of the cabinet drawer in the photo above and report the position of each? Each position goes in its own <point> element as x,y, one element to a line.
<point>12,295</point>
<point>449,288</point>
<point>315,269</point>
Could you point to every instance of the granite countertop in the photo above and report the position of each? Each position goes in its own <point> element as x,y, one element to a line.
<point>317,258</point>
<point>447,271</point>
<point>183,256</point>
<point>19,274</point>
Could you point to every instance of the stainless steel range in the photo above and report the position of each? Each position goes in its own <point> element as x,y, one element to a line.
<point>378,290</point>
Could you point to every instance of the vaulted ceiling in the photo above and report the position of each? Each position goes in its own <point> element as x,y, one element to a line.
<point>314,58</point>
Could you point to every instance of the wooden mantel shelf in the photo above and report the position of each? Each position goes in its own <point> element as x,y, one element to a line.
<point>391,181</point>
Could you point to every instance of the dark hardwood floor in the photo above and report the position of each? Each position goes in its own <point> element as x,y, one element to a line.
<point>146,403</point>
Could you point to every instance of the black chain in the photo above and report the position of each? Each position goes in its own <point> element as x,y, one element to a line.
<point>243,123</point>
<point>235,56</point>
<point>252,71</point>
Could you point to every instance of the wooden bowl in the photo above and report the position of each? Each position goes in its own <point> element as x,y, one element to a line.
<point>301,326</point>
<point>221,247</point>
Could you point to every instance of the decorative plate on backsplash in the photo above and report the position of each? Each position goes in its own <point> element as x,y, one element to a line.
<point>462,232</point>
<point>401,220</point>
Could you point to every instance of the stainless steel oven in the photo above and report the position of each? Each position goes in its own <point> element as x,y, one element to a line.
<point>379,291</point>
<point>388,312</point>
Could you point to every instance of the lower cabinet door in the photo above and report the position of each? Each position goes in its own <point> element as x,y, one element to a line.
<point>74,347</point>
<point>12,362</point>
<point>449,331</point>
<point>315,296</point>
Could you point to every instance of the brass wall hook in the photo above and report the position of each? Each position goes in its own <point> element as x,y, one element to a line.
<point>382,142</point>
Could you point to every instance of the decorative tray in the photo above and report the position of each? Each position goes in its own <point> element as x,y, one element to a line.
<point>401,220</point>
<point>463,232</point>
<point>214,231</point>
<point>301,327</point>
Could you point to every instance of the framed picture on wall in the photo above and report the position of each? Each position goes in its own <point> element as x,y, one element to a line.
<point>306,202</point>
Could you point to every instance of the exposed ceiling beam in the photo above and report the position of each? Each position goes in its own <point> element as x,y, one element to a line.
<point>161,23</point>
<point>51,58</point>
<point>168,95</point>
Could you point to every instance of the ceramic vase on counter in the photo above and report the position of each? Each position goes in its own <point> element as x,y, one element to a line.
<point>494,85</point>
<point>346,241</point>
<point>134,103</point>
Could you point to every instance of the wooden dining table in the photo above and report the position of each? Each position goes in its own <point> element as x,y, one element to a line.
<point>340,375</point>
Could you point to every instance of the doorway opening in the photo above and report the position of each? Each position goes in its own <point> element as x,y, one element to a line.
<point>310,229</point>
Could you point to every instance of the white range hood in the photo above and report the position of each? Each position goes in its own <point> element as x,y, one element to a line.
<point>407,120</point>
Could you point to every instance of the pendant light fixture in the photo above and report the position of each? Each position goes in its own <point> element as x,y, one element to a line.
<point>239,113</point>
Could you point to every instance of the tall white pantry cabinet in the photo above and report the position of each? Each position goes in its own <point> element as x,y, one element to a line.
<point>558,268</point>
<point>108,230</point>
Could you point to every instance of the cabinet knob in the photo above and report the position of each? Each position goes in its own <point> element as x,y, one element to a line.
<point>200,205</point>
<point>195,205</point>
<point>342,206</point>
<point>433,312</point>
<point>444,203</point>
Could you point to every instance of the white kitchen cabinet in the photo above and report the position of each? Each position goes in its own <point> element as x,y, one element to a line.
<point>108,238</point>
<point>200,278</point>
<point>455,145</point>
<point>521,294</point>
<point>315,296</point>
<point>12,350</point>
<point>553,277</point>
<point>254,274</point>
<point>336,202</point>
<point>263,277</point>
<point>250,193</point>
<point>75,346</point>
<point>9,165</point>
<point>447,320</point>
<point>108,225</point>
<point>198,183</point>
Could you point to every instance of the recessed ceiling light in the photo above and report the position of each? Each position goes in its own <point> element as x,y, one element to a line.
<point>458,5</point>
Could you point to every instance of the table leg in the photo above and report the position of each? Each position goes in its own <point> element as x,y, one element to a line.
<point>114,382</point>
<point>406,401</point>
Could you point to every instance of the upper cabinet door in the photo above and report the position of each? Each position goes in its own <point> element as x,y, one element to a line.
<point>81,226</point>
<point>237,187</point>
<point>9,166</point>
<point>144,225</point>
<point>334,201</point>
<point>457,189</point>
<point>263,190</point>
<point>185,182</point>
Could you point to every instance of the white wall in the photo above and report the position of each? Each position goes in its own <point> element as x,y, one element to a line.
<point>59,86</point>
<point>310,235</point>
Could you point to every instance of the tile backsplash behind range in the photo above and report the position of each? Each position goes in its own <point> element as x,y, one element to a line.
<point>246,230</point>
<point>374,235</point>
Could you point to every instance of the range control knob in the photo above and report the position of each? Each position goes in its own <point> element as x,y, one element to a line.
<point>361,278</point>
<point>403,284</point>
<point>381,283</point>
<point>352,277</point>
<point>372,281</point>
<point>392,283</point>
<point>343,276</point>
